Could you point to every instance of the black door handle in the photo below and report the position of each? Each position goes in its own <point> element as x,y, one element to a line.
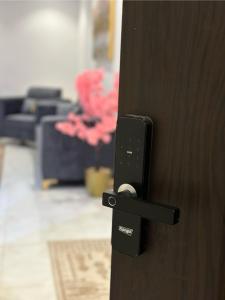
<point>128,203</point>
<point>131,171</point>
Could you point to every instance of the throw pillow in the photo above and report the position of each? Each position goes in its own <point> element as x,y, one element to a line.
<point>29,106</point>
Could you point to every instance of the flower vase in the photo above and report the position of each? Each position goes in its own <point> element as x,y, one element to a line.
<point>98,180</point>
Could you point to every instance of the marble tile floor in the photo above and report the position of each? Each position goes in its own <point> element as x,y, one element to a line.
<point>30,218</point>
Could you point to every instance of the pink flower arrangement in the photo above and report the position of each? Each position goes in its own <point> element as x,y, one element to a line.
<point>97,104</point>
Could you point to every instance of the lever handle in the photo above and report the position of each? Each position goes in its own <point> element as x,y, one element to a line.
<point>151,211</point>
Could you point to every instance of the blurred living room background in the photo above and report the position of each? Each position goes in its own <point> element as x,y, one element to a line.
<point>59,86</point>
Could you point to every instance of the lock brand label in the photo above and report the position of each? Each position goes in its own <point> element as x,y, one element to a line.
<point>126,230</point>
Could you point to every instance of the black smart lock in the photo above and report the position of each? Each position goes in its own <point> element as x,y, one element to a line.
<point>128,200</point>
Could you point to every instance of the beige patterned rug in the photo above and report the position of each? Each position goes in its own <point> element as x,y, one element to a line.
<point>1,159</point>
<point>81,269</point>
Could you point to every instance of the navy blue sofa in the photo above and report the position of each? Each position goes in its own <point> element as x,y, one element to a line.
<point>20,115</point>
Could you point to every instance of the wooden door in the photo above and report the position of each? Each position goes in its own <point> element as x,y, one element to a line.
<point>173,70</point>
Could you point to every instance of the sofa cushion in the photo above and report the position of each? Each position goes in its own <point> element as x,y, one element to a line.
<point>30,104</point>
<point>21,118</point>
<point>20,126</point>
<point>43,93</point>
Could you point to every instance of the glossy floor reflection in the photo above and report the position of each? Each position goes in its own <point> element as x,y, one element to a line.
<point>30,218</point>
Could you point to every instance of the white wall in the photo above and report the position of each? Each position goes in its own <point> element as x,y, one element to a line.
<point>43,43</point>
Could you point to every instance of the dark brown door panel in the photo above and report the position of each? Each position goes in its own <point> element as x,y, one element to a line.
<point>173,70</point>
